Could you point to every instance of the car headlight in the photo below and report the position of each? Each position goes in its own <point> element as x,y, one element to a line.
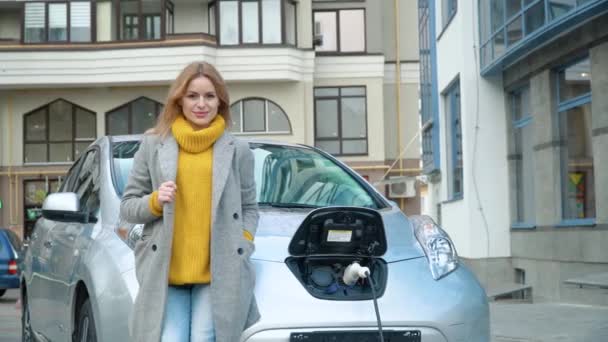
<point>437,246</point>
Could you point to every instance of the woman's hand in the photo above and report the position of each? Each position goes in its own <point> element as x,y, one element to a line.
<point>166,193</point>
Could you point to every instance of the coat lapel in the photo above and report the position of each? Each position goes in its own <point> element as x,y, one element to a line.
<point>223,150</point>
<point>167,158</point>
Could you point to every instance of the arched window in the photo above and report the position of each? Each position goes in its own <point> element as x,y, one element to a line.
<point>57,132</point>
<point>134,117</point>
<point>258,115</point>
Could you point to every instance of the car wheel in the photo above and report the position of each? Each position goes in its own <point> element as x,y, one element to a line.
<point>85,328</point>
<point>26,327</point>
<point>2,292</point>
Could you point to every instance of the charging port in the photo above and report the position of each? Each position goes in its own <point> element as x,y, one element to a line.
<point>331,239</point>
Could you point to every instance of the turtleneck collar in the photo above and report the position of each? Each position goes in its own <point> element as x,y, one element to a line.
<point>197,141</point>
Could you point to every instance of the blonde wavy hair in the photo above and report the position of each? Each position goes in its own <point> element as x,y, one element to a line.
<point>178,89</point>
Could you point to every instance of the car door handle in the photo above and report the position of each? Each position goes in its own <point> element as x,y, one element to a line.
<point>48,244</point>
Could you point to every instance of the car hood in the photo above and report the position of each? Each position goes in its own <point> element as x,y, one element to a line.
<point>277,227</point>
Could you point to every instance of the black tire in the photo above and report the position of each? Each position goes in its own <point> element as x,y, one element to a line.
<point>26,327</point>
<point>85,324</point>
<point>2,292</point>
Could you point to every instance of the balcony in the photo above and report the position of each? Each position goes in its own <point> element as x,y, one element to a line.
<point>510,30</point>
<point>127,42</point>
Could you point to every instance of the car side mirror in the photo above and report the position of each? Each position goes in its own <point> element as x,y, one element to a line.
<point>64,207</point>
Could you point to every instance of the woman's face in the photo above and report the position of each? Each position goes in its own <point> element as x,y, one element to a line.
<point>200,102</point>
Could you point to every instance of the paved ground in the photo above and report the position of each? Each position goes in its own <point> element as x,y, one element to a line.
<point>548,322</point>
<point>511,322</point>
<point>10,317</point>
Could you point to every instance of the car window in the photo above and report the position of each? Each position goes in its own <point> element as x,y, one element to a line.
<point>123,153</point>
<point>86,183</point>
<point>68,183</point>
<point>14,239</point>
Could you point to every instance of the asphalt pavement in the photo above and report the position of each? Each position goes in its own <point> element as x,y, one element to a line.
<point>510,322</point>
<point>10,317</point>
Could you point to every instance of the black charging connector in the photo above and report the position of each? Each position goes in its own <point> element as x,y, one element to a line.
<point>373,286</point>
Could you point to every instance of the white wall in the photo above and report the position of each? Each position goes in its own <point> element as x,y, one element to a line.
<point>485,208</point>
<point>410,116</point>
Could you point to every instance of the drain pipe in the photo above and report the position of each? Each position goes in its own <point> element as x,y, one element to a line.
<point>398,89</point>
<point>11,206</point>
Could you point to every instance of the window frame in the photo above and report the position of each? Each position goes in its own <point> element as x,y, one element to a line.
<point>47,140</point>
<point>338,50</point>
<point>129,105</point>
<point>451,94</point>
<point>266,130</point>
<point>92,21</point>
<point>340,139</point>
<point>447,19</point>
<point>562,108</point>
<point>429,113</point>
<point>74,186</point>
<point>215,6</point>
<point>164,6</point>
<point>525,120</point>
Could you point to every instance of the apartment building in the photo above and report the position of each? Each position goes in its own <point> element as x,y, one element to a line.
<point>339,75</point>
<point>515,123</point>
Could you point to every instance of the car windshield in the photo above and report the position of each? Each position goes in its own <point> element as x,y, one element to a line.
<point>286,176</point>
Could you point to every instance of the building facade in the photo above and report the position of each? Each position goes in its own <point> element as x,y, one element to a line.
<point>516,137</point>
<point>332,74</point>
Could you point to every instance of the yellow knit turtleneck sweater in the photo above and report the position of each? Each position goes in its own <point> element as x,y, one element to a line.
<point>190,256</point>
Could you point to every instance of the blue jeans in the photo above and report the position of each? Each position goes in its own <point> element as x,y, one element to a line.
<point>188,315</point>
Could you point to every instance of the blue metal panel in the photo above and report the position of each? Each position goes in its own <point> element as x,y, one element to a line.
<point>549,31</point>
<point>434,89</point>
<point>429,113</point>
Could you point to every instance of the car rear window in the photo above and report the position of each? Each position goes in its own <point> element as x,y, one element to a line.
<point>3,250</point>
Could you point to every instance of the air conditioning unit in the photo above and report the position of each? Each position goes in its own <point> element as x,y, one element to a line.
<point>402,187</point>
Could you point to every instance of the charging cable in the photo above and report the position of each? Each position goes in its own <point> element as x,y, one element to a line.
<point>352,273</point>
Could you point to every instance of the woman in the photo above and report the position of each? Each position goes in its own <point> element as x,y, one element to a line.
<point>192,186</point>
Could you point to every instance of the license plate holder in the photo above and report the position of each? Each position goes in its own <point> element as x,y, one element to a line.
<point>356,336</point>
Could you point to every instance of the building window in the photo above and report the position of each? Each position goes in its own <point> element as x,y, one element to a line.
<point>448,10</point>
<point>57,132</point>
<point>241,22</point>
<point>257,115</point>
<point>340,31</point>
<point>341,120</point>
<point>455,167</point>
<point>57,22</point>
<point>522,158</point>
<point>134,117</point>
<point>144,19</point>
<point>428,92</point>
<point>505,23</point>
<point>574,112</point>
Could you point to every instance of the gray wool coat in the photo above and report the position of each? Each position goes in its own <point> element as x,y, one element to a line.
<point>234,209</point>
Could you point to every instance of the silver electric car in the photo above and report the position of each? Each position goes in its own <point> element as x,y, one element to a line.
<point>334,259</point>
